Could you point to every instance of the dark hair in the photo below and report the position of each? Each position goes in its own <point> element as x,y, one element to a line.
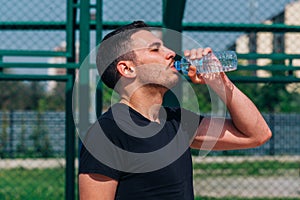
<point>114,48</point>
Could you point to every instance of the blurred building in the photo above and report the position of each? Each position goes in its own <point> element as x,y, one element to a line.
<point>267,42</point>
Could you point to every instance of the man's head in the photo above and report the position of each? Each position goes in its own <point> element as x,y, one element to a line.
<point>114,47</point>
<point>136,54</point>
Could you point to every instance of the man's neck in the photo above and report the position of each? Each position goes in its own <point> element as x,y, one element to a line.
<point>147,104</point>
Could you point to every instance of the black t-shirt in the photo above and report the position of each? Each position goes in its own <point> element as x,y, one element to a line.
<point>167,175</point>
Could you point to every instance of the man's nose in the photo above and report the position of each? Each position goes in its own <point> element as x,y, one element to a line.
<point>169,53</point>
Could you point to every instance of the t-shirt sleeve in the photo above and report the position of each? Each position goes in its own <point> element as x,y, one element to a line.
<point>89,164</point>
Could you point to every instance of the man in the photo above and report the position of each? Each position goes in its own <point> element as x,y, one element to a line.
<point>137,65</point>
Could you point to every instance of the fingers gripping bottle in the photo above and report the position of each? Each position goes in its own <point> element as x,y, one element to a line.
<point>220,61</point>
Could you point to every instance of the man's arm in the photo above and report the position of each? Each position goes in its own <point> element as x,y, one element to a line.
<point>96,187</point>
<point>246,128</point>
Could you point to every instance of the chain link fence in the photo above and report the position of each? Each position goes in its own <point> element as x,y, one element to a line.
<point>32,144</point>
<point>32,139</point>
<point>30,12</point>
<point>32,134</point>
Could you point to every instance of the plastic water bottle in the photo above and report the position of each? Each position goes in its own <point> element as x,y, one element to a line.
<point>220,61</point>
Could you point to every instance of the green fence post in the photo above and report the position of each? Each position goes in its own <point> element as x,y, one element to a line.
<point>172,20</point>
<point>84,48</point>
<point>99,28</point>
<point>84,96</point>
<point>70,126</point>
<point>1,59</point>
<point>70,142</point>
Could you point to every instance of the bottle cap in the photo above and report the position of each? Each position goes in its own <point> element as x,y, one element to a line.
<point>177,65</point>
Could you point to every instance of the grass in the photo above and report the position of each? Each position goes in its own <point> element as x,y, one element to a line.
<point>246,168</point>
<point>49,184</point>
<point>239,198</point>
<point>33,184</point>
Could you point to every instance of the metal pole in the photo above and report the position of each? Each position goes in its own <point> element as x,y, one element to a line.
<point>70,127</point>
<point>84,95</point>
<point>70,143</point>
<point>1,69</point>
<point>172,20</point>
<point>99,92</point>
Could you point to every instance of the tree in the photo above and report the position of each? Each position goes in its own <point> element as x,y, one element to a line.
<point>55,100</point>
<point>20,95</point>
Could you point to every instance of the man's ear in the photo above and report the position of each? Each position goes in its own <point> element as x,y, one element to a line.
<point>126,69</point>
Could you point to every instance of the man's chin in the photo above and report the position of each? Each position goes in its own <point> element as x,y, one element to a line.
<point>173,83</point>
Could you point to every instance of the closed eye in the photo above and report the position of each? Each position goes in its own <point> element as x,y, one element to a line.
<point>155,46</point>
<point>154,49</point>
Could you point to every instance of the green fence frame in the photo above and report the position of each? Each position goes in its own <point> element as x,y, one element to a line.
<point>172,18</point>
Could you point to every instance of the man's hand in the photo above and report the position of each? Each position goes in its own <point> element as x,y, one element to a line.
<point>198,54</point>
<point>219,81</point>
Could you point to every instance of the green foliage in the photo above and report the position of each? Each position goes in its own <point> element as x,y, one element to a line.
<point>55,100</point>
<point>108,97</point>
<point>17,95</point>
<point>272,98</point>
<point>203,97</point>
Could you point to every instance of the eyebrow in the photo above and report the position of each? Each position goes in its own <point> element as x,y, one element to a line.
<point>155,44</point>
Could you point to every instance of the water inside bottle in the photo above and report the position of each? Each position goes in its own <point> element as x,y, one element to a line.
<point>211,63</point>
